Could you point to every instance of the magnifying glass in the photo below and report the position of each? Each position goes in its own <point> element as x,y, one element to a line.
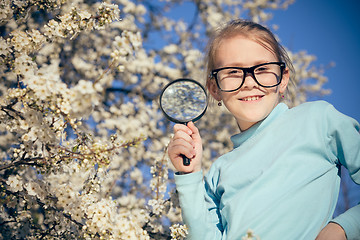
<point>182,101</point>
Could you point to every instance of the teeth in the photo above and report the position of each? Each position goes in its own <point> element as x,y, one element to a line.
<point>251,98</point>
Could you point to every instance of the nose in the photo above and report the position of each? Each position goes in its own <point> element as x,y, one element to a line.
<point>249,81</point>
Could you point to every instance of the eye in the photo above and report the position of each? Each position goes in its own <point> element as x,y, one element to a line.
<point>230,74</point>
<point>233,71</point>
<point>261,69</point>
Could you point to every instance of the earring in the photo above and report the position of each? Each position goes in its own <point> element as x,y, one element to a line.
<point>219,104</point>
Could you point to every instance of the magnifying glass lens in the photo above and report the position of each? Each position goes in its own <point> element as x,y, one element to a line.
<point>182,101</point>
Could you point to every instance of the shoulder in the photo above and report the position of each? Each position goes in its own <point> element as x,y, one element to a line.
<point>313,110</point>
<point>316,106</point>
<point>322,112</point>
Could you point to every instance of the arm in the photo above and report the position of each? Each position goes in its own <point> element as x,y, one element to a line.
<point>344,145</point>
<point>198,203</point>
<point>199,207</point>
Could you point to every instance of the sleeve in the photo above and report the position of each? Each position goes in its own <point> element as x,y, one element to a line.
<point>344,143</point>
<point>199,207</point>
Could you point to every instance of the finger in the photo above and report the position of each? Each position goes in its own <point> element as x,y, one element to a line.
<point>184,136</point>
<point>182,127</point>
<point>179,146</point>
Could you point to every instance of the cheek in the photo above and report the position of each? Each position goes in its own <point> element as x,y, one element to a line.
<point>225,96</point>
<point>273,90</point>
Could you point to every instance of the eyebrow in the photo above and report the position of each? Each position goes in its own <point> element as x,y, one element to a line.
<point>243,65</point>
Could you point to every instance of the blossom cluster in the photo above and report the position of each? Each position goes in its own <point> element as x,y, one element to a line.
<point>158,184</point>
<point>21,8</point>
<point>250,236</point>
<point>308,79</point>
<point>178,231</point>
<point>258,8</point>
<point>76,21</point>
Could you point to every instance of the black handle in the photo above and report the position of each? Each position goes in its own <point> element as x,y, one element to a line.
<point>186,160</point>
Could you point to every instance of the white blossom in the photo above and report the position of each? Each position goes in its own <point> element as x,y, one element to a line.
<point>15,183</point>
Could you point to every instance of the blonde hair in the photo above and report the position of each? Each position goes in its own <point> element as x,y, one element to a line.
<point>252,31</point>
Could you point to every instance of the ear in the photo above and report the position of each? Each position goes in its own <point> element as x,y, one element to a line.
<point>213,89</point>
<point>284,81</point>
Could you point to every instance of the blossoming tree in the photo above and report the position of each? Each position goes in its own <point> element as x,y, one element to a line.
<point>82,139</point>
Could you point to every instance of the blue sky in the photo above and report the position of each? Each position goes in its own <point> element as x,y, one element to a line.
<point>330,30</point>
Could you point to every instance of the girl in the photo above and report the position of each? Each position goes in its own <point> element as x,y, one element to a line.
<point>282,177</point>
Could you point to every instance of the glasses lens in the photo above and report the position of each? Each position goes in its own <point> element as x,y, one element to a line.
<point>230,78</point>
<point>268,75</point>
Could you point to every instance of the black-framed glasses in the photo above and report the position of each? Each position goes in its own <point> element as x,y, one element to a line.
<point>229,79</point>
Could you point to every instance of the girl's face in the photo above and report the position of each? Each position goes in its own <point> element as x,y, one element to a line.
<point>251,103</point>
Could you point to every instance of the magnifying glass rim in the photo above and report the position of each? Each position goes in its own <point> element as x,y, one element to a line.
<point>183,80</point>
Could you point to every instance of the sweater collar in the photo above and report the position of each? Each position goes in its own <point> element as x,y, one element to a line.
<point>240,138</point>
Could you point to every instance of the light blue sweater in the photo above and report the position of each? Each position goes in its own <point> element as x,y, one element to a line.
<point>281,179</point>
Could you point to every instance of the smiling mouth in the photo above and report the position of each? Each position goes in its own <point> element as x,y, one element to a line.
<point>251,98</point>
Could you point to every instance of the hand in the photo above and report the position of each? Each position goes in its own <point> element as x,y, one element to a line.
<point>332,231</point>
<point>186,141</point>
